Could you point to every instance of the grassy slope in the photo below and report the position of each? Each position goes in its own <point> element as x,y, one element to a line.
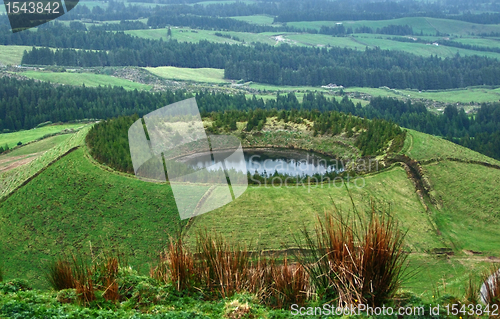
<point>469,194</point>
<point>422,146</point>
<point>186,74</point>
<point>30,151</point>
<point>74,204</point>
<point>270,216</point>
<point>36,147</point>
<point>426,25</point>
<point>12,54</point>
<point>27,136</point>
<point>12,179</point>
<point>473,94</point>
<point>468,198</point>
<point>88,79</point>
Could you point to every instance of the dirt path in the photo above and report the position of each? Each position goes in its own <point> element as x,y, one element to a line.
<point>9,163</point>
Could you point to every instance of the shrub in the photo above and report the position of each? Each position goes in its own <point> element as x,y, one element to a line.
<point>222,269</point>
<point>15,285</point>
<point>60,275</point>
<point>176,265</point>
<point>66,296</point>
<point>355,259</point>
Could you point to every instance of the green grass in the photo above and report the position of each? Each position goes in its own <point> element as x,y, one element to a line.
<point>205,75</point>
<point>265,216</point>
<point>31,135</point>
<point>256,19</point>
<point>73,205</point>
<point>195,35</point>
<point>463,96</point>
<point>37,147</point>
<point>12,54</point>
<point>14,178</point>
<point>372,40</point>
<point>87,79</point>
<point>468,193</point>
<point>30,151</point>
<point>422,146</point>
<point>419,24</point>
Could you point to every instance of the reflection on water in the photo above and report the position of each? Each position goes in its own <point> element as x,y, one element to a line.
<point>286,162</point>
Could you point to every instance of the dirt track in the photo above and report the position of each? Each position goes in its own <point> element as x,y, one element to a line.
<point>8,163</point>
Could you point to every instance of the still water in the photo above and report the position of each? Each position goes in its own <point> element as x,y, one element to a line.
<point>283,161</point>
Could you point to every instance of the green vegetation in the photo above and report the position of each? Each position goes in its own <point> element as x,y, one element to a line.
<point>256,19</point>
<point>466,194</point>
<point>87,79</point>
<point>463,96</point>
<point>37,147</point>
<point>74,205</point>
<point>15,178</point>
<point>185,74</point>
<point>422,147</point>
<point>428,26</point>
<point>12,54</point>
<point>264,216</point>
<point>25,137</point>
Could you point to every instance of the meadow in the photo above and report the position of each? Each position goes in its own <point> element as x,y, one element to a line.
<point>11,139</point>
<point>183,34</point>
<point>462,96</point>
<point>425,147</point>
<point>427,26</point>
<point>87,79</point>
<point>12,54</point>
<point>205,75</point>
<point>74,206</point>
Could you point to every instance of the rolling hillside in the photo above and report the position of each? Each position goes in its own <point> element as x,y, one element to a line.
<point>76,204</point>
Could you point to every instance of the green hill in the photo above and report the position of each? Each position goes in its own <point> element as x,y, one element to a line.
<point>75,204</point>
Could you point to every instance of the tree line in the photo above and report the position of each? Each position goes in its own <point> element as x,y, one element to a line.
<point>26,103</point>
<point>282,65</point>
<point>392,29</point>
<point>108,140</point>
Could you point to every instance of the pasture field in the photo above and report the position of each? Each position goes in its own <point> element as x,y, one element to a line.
<point>87,79</point>
<point>74,205</point>
<point>12,54</point>
<point>374,40</point>
<point>37,147</point>
<point>205,75</point>
<point>468,196</point>
<point>256,19</point>
<point>428,26</point>
<point>463,96</point>
<point>14,178</point>
<point>181,35</point>
<point>318,40</point>
<point>421,147</point>
<point>27,136</point>
<point>29,152</point>
<point>195,35</point>
<point>355,41</point>
<point>265,217</point>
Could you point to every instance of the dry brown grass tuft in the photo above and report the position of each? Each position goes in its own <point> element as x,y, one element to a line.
<point>60,275</point>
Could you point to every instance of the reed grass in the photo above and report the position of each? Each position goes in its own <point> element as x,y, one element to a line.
<point>355,259</point>
<point>490,292</point>
<point>60,275</point>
